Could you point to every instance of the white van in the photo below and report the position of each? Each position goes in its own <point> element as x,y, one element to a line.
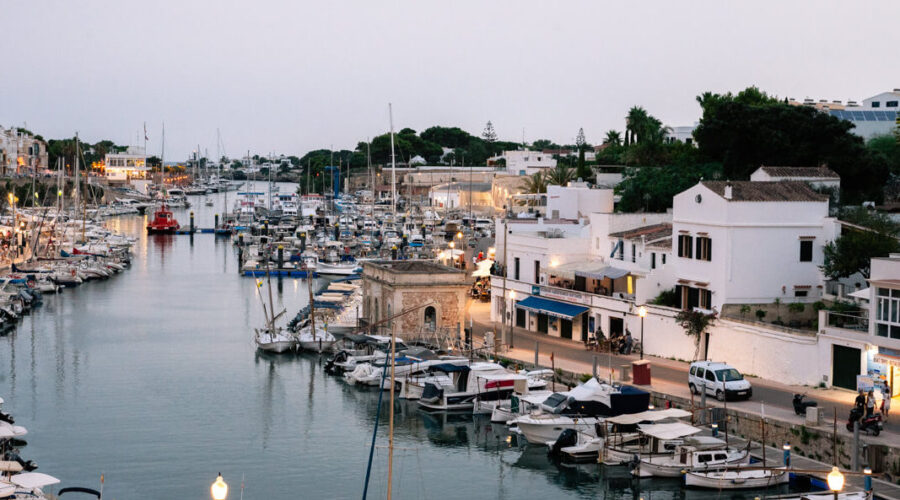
<point>719,380</point>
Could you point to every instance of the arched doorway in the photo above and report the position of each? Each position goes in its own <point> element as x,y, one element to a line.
<point>430,318</point>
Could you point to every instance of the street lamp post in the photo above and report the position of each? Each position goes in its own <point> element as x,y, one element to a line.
<point>642,312</point>
<point>219,490</point>
<point>512,309</point>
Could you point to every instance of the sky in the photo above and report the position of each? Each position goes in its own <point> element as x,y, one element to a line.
<point>288,76</point>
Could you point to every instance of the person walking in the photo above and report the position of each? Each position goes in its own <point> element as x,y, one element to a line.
<point>860,401</point>
<point>870,403</point>
<point>886,401</point>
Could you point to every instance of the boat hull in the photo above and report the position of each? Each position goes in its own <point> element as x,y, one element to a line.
<point>540,432</point>
<point>278,346</point>
<point>736,479</point>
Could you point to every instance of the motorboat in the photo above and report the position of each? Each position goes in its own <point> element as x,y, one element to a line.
<point>622,438</point>
<point>737,479</point>
<point>343,268</point>
<point>483,381</point>
<point>696,454</point>
<point>580,409</point>
<point>163,221</point>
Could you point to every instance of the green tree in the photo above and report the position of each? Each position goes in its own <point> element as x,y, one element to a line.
<point>490,137</point>
<point>853,250</point>
<point>535,183</point>
<point>613,138</point>
<point>582,171</point>
<point>651,189</point>
<point>750,129</point>
<point>695,324</point>
<point>561,175</point>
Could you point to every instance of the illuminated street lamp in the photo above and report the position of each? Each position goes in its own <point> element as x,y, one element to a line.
<point>219,490</point>
<point>642,312</point>
<point>835,481</point>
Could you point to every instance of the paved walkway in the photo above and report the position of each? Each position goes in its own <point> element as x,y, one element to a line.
<point>670,377</point>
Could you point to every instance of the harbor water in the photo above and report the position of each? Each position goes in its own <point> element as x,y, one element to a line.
<point>152,380</point>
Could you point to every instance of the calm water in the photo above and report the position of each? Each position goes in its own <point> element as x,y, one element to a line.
<point>151,378</point>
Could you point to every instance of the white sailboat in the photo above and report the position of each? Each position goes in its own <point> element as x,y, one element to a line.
<point>272,338</point>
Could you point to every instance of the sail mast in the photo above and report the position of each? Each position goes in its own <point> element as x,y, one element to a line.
<point>393,170</point>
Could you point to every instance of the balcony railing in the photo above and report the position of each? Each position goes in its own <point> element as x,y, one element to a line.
<point>847,321</point>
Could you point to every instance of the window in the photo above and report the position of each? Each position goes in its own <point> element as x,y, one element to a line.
<point>710,376</point>
<point>633,252</point>
<point>876,104</point>
<point>693,370</point>
<point>705,299</point>
<point>621,246</point>
<point>652,260</point>
<point>801,293</point>
<point>537,271</point>
<point>887,313</point>
<point>704,248</point>
<point>685,244</point>
<point>890,104</point>
<point>700,372</point>
<point>806,250</point>
<point>516,269</point>
<point>664,259</point>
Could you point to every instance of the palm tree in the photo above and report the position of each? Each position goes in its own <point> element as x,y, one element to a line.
<point>635,124</point>
<point>535,183</point>
<point>561,175</point>
<point>613,137</point>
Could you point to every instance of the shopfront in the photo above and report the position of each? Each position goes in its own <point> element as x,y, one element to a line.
<point>554,318</point>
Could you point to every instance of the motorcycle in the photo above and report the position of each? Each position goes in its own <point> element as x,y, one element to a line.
<point>873,423</point>
<point>800,405</point>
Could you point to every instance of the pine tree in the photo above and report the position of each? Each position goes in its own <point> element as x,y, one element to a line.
<point>490,137</point>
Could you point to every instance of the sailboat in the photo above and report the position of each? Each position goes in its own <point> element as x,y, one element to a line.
<point>272,338</point>
<point>311,337</point>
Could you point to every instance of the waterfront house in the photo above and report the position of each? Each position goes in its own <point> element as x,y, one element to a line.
<point>523,162</point>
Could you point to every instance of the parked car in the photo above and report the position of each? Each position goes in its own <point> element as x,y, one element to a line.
<point>718,379</point>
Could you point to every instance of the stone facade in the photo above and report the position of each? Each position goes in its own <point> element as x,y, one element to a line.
<point>391,287</point>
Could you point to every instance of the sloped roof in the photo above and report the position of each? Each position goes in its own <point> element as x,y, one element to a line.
<point>769,191</point>
<point>814,172</point>
<point>651,232</point>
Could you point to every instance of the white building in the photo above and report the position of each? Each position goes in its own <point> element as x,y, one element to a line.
<point>129,168</point>
<point>876,116</point>
<point>681,133</point>
<point>527,162</point>
<point>749,243</point>
<point>21,152</point>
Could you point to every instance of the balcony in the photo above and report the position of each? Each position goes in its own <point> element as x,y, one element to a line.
<point>854,322</point>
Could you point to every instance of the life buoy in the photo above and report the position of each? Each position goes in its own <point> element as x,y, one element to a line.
<point>73,273</point>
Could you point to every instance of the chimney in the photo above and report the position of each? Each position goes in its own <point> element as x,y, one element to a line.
<point>728,191</point>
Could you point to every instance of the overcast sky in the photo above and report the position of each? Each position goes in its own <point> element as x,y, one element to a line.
<point>287,76</point>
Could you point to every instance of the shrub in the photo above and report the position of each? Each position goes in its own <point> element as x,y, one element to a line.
<point>744,310</point>
<point>760,314</point>
<point>666,298</point>
<point>796,307</point>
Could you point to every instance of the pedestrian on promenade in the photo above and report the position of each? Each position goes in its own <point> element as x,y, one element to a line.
<point>886,401</point>
<point>860,401</point>
<point>870,403</point>
<point>626,345</point>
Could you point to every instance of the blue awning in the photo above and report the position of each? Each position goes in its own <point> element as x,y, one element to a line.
<point>551,307</point>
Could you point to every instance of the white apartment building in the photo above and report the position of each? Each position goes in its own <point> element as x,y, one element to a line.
<point>749,243</point>
<point>527,162</point>
<point>21,151</point>
<point>876,115</point>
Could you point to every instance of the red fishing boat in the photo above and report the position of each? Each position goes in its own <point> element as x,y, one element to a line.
<point>163,221</point>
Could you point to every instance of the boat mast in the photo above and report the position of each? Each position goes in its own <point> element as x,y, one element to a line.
<point>391,416</point>
<point>312,303</point>
<point>393,175</point>
<point>77,194</point>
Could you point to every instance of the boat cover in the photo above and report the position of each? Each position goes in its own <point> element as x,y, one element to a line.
<point>33,480</point>
<point>648,416</point>
<point>673,430</point>
<point>449,368</point>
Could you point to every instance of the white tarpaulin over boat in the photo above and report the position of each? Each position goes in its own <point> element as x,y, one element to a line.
<point>672,430</point>
<point>484,269</point>
<point>33,480</point>
<point>648,416</point>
